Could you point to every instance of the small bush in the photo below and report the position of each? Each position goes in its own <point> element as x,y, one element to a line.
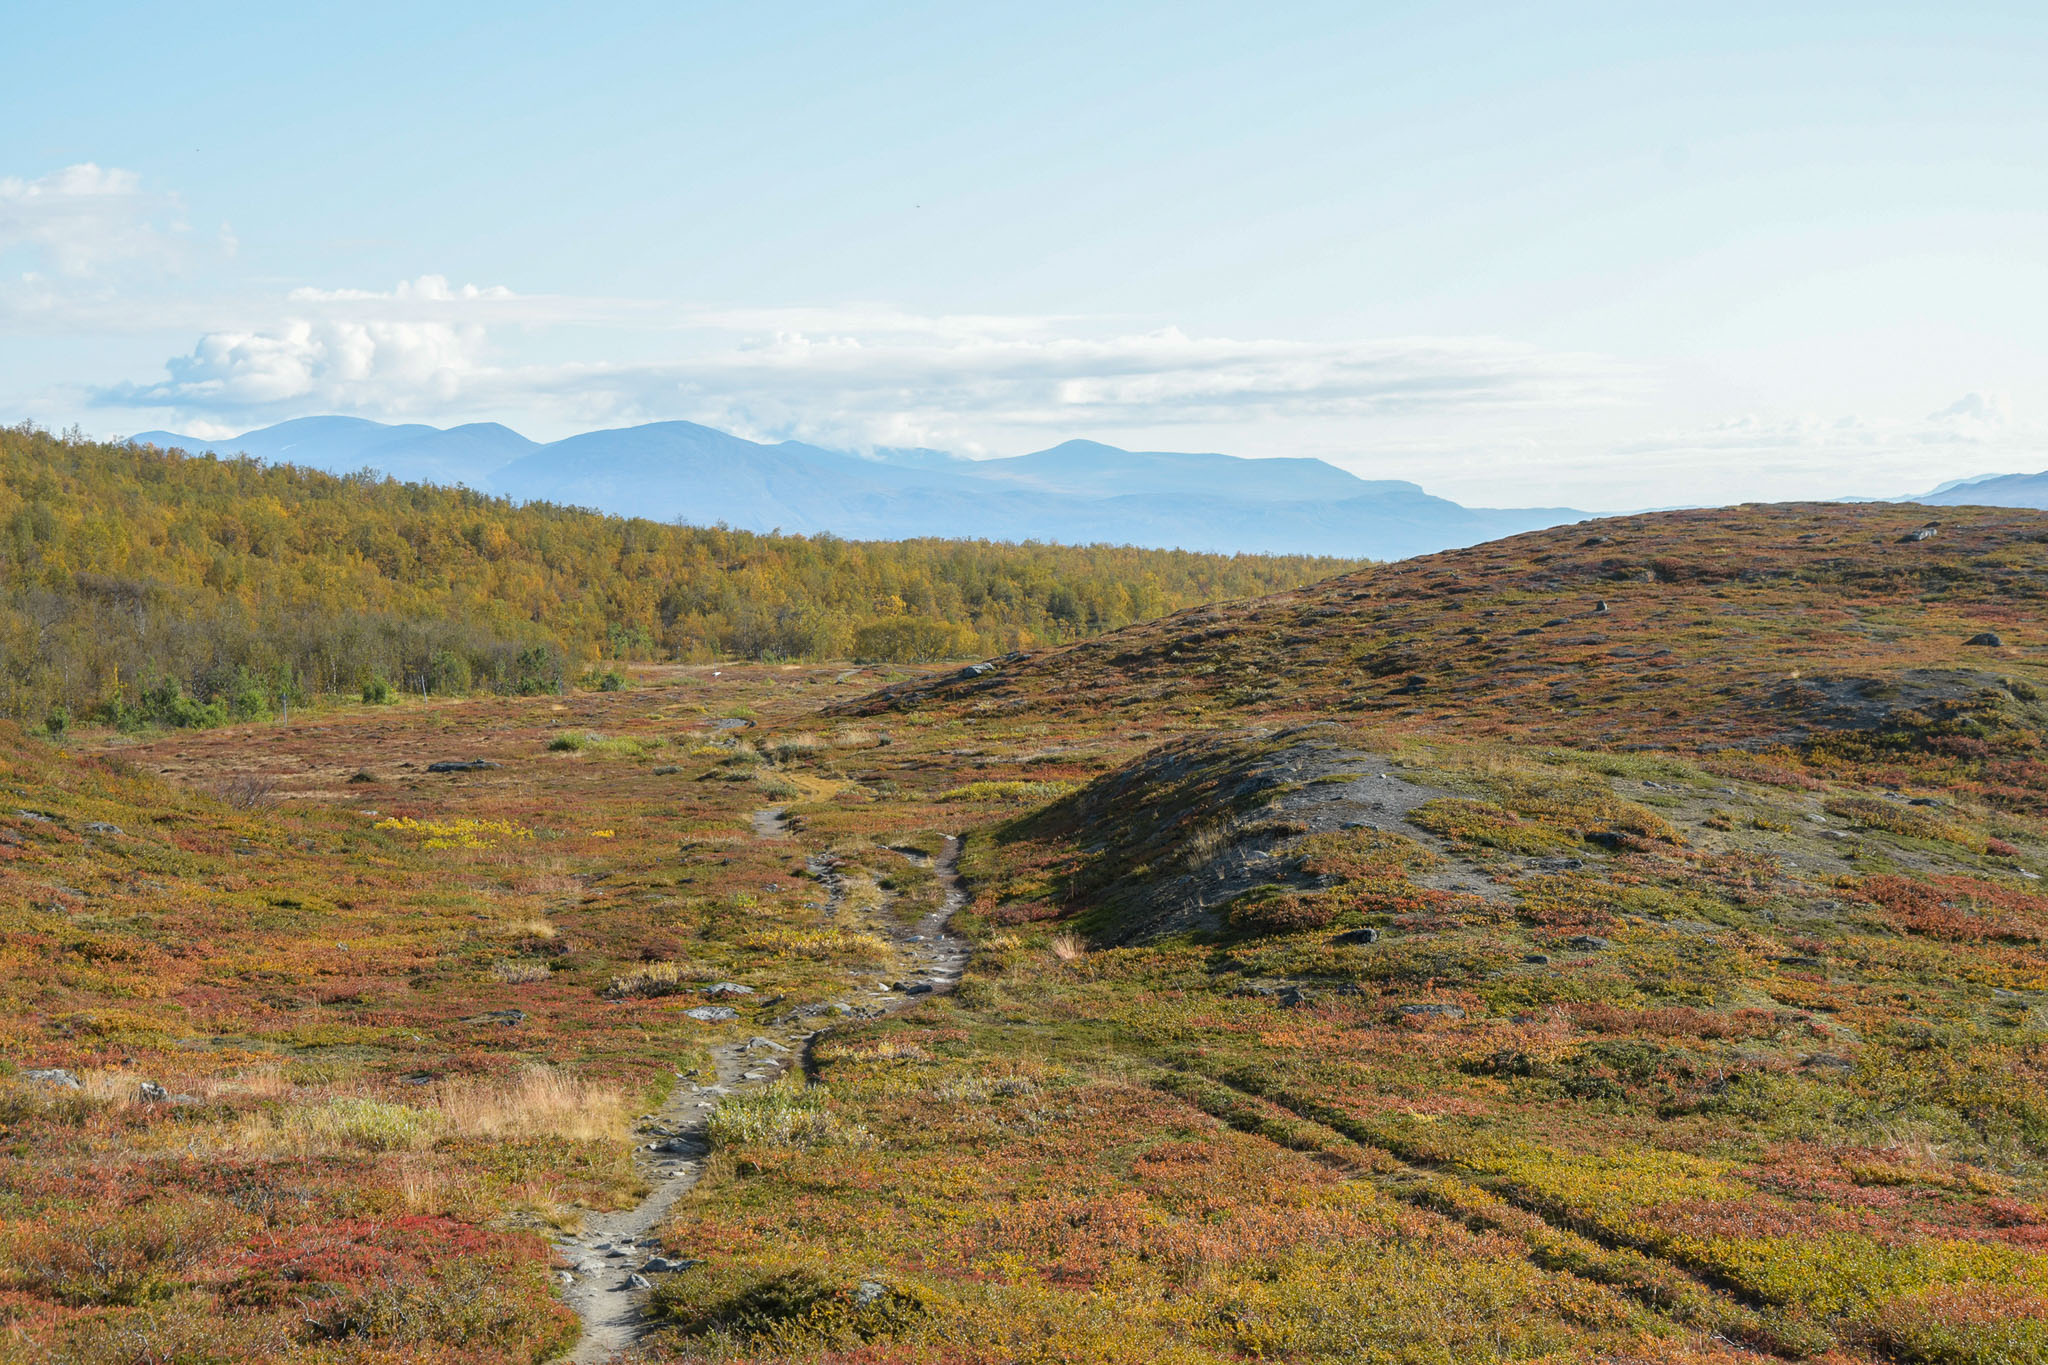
<point>653,981</point>
<point>121,1256</point>
<point>377,692</point>
<point>449,674</point>
<point>1008,791</point>
<point>374,1125</point>
<point>786,1114</point>
<point>1270,910</point>
<point>786,1304</point>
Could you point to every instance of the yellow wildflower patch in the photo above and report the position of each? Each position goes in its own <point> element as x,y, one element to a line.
<point>475,834</point>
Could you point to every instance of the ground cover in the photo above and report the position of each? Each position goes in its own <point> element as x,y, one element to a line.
<point>1579,1000</point>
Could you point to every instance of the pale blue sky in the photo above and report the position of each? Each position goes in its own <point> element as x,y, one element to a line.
<point>1613,255</point>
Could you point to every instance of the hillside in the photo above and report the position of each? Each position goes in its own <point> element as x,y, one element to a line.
<point>1757,626</point>
<point>1621,942</point>
<point>252,585</point>
<point>1077,493</point>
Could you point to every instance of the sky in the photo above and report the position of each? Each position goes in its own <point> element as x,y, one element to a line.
<point>1606,256</point>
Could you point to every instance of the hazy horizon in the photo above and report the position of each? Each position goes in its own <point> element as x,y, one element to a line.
<point>1590,257</point>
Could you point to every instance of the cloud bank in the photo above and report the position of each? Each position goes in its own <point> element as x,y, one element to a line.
<point>1487,419</point>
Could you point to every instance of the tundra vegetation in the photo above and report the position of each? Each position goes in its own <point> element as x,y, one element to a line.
<point>1621,942</point>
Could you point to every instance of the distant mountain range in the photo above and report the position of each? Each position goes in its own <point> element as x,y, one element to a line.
<point>1080,492</point>
<point>1990,490</point>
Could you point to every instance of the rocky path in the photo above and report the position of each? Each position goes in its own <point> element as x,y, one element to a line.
<point>614,1258</point>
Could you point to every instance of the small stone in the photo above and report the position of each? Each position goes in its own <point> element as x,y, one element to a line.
<point>662,1265</point>
<point>563,1277</point>
<point>102,827</point>
<point>725,990</point>
<point>1536,959</point>
<point>467,765</point>
<point>1989,638</point>
<point>1429,1011</point>
<point>55,1075</point>
<point>1367,935</point>
<point>636,1281</point>
<point>1915,537</point>
<point>712,1014</point>
<point>149,1092</point>
<point>869,1292</point>
<point>1585,943</point>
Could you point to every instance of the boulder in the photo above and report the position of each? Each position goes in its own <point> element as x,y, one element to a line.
<point>1585,943</point>
<point>1989,638</point>
<point>54,1076</point>
<point>1367,935</point>
<point>464,765</point>
<point>727,990</point>
<point>1430,1010</point>
<point>1915,537</point>
<point>662,1265</point>
<point>712,1014</point>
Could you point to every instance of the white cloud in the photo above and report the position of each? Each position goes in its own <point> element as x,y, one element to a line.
<point>880,377</point>
<point>327,364</point>
<point>425,289</point>
<point>80,220</point>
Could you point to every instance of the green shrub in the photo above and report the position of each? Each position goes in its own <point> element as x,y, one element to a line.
<point>537,671</point>
<point>165,703</point>
<point>786,1114</point>
<point>375,1125</point>
<point>786,1304</point>
<point>449,674</point>
<point>377,692</point>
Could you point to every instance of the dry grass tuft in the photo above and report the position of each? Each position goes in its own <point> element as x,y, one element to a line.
<point>540,1101</point>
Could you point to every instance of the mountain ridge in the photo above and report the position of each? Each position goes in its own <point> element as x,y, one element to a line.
<point>1077,492</point>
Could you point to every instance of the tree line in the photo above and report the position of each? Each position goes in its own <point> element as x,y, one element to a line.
<point>154,587</point>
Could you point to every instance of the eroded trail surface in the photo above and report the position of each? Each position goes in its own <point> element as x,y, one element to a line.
<point>615,1256</point>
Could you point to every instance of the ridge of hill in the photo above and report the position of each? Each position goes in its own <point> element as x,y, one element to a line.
<point>1753,626</point>
<point>1079,492</point>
